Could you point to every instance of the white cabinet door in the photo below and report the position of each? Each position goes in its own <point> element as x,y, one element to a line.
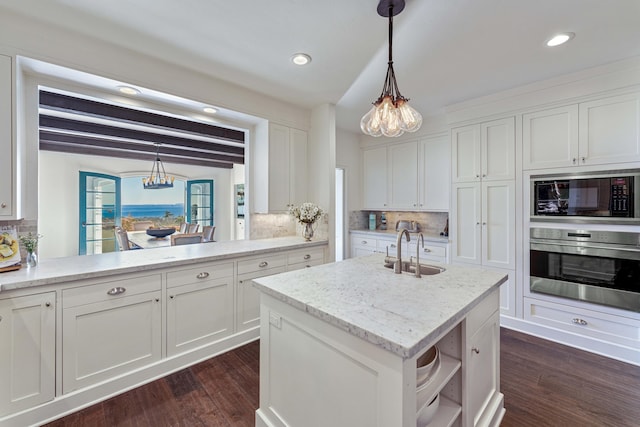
<point>434,172</point>
<point>109,329</point>
<point>498,224</point>
<point>287,167</point>
<point>465,146</point>
<point>610,130</point>
<point>6,141</point>
<point>27,352</point>
<point>498,150</point>
<point>483,371</point>
<point>374,178</point>
<point>465,222</point>
<point>550,138</point>
<point>403,175</point>
<point>297,167</point>
<point>199,314</point>
<point>485,151</point>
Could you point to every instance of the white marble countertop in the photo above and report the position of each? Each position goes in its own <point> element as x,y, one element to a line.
<point>428,236</point>
<point>59,270</point>
<point>398,312</point>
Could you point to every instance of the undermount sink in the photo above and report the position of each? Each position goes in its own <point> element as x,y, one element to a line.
<point>425,269</point>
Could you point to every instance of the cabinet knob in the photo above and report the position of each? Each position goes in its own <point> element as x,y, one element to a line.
<point>364,242</point>
<point>172,296</point>
<point>307,256</point>
<point>47,304</point>
<point>3,205</point>
<point>583,159</point>
<point>157,299</point>
<point>477,175</point>
<point>478,223</point>
<point>574,160</point>
<point>476,350</point>
<point>414,205</point>
<point>580,322</point>
<point>484,175</point>
<point>426,250</point>
<point>202,275</point>
<point>116,291</point>
<point>0,318</point>
<point>484,223</point>
<point>392,245</point>
<point>263,264</point>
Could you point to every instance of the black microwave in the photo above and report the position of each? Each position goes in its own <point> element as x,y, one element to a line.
<point>605,197</point>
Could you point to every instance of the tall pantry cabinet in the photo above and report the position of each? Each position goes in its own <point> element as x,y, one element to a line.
<point>483,199</point>
<point>6,140</point>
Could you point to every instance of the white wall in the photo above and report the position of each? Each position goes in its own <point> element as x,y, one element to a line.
<point>58,215</point>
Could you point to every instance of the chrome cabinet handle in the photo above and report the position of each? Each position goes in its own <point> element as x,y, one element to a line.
<point>580,322</point>
<point>3,205</point>
<point>116,291</point>
<point>263,264</point>
<point>307,256</point>
<point>426,250</point>
<point>476,350</point>
<point>364,242</point>
<point>202,275</point>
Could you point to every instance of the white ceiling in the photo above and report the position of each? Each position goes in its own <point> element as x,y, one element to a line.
<point>445,51</point>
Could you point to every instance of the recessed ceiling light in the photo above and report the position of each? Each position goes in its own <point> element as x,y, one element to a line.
<point>559,39</point>
<point>300,59</point>
<point>210,110</point>
<point>128,90</point>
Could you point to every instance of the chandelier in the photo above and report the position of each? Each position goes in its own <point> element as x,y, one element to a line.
<point>391,114</point>
<point>155,180</point>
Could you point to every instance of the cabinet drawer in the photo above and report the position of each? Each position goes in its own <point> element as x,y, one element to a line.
<point>602,326</point>
<point>199,274</point>
<point>301,265</point>
<point>110,290</point>
<point>306,256</point>
<point>261,263</point>
<point>383,244</point>
<point>363,242</point>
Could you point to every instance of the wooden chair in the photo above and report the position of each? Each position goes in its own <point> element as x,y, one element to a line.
<point>186,239</point>
<point>142,225</point>
<point>123,240</point>
<point>184,227</point>
<point>194,228</point>
<point>207,233</point>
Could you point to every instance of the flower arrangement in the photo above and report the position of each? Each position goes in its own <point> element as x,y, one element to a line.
<point>306,213</point>
<point>30,241</point>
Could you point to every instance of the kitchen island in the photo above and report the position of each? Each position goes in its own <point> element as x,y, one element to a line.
<point>339,345</point>
<point>77,330</point>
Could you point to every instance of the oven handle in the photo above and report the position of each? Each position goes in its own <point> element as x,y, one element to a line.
<point>573,249</point>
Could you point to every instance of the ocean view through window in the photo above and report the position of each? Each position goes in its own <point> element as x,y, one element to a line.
<point>164,208</point>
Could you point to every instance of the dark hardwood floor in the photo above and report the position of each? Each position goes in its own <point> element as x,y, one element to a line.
<point>545,384</point>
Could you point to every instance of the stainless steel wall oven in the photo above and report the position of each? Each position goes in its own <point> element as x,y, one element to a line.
<point>601,267</point>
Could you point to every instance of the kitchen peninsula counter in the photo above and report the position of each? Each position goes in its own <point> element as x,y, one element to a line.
<point>353,330</point>
<point>60,270</point>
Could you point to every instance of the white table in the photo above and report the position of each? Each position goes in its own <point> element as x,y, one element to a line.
<point>142,239</point>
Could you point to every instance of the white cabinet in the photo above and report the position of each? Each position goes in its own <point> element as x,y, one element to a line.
<point>362,245</point>
<point>589,133</point>
<point>109,329</point>
<point>27,352</point>
<point>199,306</point>
<point>287,167</point>
<point>247,297</point>
<point>7,147</point>
<point>403,176</point>
<point>407,176</point>
<point>482,374</point>
<point>483,223</point>
<point>305,258</point>
<point>550,138</point>
<point>484,151</point>
<point>434,169</point>
<point>374,178</point>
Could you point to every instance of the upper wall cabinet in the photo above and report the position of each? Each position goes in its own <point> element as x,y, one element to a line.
<point>590,133</point>
<point>484,151</point>
<point>287,167</point>
<point>6,141</point>
<point>408,176</point>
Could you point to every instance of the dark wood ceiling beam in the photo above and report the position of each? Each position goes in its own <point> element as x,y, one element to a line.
<point>108,143</point>
<point>70,125</point>
<point>104,152</point>
<point>99,109</point>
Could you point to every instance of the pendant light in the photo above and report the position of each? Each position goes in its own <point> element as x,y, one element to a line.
<point>156,180</point>
<point>391,114</point>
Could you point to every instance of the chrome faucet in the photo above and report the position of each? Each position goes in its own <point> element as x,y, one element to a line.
<point>397,266</point>
<point>420,237</point>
